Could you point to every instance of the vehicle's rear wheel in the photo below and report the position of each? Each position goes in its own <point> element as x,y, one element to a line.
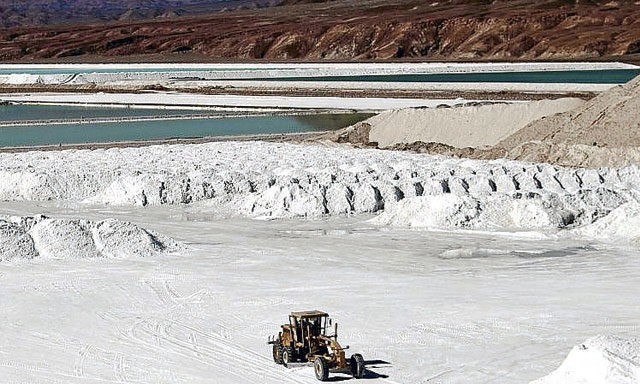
<point>277,353</point>
<point>322,369</point>
<point>357,366</point>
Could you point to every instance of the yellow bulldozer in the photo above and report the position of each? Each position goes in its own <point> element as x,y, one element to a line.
<point>306,339</point>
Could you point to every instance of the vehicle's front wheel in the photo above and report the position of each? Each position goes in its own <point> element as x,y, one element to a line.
<point>357,366</point>
<point>277,354</point>
<point>286,356</point>
<point>322,369</point>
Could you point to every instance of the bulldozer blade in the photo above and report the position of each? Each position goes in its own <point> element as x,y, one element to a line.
<point>298,365</point>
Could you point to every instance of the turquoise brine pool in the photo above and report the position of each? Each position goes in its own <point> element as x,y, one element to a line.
<point>605,76</point>
<point>611,76</point>
<point>30,135</point>
<point>60,112</point>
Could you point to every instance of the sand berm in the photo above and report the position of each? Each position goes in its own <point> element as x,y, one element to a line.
<point>601,132</point>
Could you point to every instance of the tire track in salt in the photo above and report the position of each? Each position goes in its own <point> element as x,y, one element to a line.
<point>207,348</point>
<point>78,366</point>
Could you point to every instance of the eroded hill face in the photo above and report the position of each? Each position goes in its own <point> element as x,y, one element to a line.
<point>46,12</point>
<point>348,30</point>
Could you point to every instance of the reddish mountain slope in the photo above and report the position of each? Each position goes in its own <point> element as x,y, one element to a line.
<point>348,30</point>
<point>46,12</point>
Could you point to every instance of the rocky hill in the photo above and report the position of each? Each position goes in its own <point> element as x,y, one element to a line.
<point>46,12</point>
<point>352,30</point>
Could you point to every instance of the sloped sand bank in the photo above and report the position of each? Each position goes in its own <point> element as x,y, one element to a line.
<point>469,126</point>
<point>604,131</point>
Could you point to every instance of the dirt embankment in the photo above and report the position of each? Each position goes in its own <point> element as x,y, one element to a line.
<point>476,126</point>
<point>604,131</point>
<point>352,30</point>
<point>302,92</point>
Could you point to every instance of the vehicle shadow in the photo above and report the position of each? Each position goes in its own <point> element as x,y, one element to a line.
<point>368,372</point>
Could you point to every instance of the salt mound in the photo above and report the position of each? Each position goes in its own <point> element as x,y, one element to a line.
<point>468,126</point>
<point>117,239</point>
<point>32,237</point>
<point>15,242</point>
<point>450,211</point>
<point>599,360</point>
<point>285,200</point>
<point>260,179</point>
<point>439,211</point>
<point>605,131</point>
<point>622,224</point>
<point>129,190</point>
<point>63,239</point>
<point>525,212</point>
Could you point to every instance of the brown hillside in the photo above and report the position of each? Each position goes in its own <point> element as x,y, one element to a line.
<point>355,30</point>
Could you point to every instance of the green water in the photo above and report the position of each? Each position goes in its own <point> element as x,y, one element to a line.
<point>611,76</point>
<point>51,112</point>
<point>608,76</point>
<point>29,135</point>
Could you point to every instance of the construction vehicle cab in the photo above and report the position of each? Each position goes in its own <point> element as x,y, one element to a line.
<point>312,337</point>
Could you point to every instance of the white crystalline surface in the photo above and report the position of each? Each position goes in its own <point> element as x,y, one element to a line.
<point>274,180</point>
<point>506,271</point>
<point>436,306</point>
<point>601,359</point>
